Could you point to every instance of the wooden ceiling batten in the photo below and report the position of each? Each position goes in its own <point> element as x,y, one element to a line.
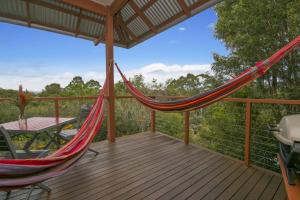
<point>142,15</point>
<point>78,23</point>
<point>123,25</point>
<point>117,5</point>
<point>64,10</point>
<point>41,24</point>
<point>179,15</point>
<point>143,9</point>
<point>28,14</point>
<point>184,7</point>
<point>88,5</point>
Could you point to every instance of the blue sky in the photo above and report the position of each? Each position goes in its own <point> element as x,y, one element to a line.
<point>35,58</point>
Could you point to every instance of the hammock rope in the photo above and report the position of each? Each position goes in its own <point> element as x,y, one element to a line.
<point>23,172</point>
<point>202,100</point>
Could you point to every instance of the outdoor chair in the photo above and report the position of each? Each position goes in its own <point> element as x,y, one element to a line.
<point>68,134</point>
<point>8,150</point>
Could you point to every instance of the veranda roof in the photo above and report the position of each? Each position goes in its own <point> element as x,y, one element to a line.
<point>134,20</point>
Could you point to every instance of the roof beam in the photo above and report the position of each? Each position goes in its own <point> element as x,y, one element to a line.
<point>196,5</point>
<point>55,7</point>
<point>28,14</point>
<point>116,6</point>
<point>184,7</point>
<point>78,23</point>
<point>46,25</point>
<point>88,5</point>
<point>123,37</point>
<point>145,7</point>
<point>125,28</point>
<point>142,15</point>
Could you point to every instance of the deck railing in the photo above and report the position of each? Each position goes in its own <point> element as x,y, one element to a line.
<point>257,148</point>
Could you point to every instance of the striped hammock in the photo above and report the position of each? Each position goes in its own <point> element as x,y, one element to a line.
<point>24,172</point>
<point>209,97</point>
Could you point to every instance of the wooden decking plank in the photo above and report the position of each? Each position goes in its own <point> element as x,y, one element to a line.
<point>280,193</point>
<point>124,155</point>
<point>272,187</point>
<point>259,187</point>
<point>120,176</point>
<point>149,187</point>
<point>210,185</point>
<point>155,166</point>
<point>185,189</point>
<point>147,158</point>
<point>247,187</point>
<point>223,185</point>
<point>149,175</point>
<point>234,187</point>
<point>202,182</point>
<point>99,167</point>
<point>179,180</point>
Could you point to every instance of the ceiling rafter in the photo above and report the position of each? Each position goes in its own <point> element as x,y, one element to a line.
<point>173,18</point>
<point>118,30</point>
<point>142,15</point>
<point>70,12</point>
<point>143,9</point>
<point>184,7</point>
<point>98,40</point>
<point>123,25</point>
<point>28,13</point>
<point>198,4</point>
<point>54,27</point>
<point>88,5</point>
<point>123,37</point>
<point>116,6</point>
<point>78,23</point>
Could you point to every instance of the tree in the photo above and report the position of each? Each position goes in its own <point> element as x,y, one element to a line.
<point>93,84</point>
<point>53,89</point>
<point>254,30</point>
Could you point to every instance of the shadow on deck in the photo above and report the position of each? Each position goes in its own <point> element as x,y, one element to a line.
<point>155,166</point>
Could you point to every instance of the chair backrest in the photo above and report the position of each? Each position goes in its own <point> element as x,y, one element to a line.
<point>84,112</point>
<point>6,144</point>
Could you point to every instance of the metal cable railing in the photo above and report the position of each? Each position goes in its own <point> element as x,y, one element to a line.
<point>235,127</point>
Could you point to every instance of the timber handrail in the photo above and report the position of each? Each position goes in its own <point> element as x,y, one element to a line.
<point>248,102</point>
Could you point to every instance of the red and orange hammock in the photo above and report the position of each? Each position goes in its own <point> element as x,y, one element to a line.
<point>20,173</point>
<point>24,172</point>
<point>209,97</point>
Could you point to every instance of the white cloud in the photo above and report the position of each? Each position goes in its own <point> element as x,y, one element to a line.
<point>159,71</point>
<point>182,29</point>
<point>211,26</point>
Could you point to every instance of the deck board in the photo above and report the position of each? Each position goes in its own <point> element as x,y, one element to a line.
<point>155,166</point>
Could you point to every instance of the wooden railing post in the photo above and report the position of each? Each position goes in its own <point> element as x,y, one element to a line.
<point>152,121</point>
<point>186,127</point>
<point>56,108</point>
<point>247,133</point>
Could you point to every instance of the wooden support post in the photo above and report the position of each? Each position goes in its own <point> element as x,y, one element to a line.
<point>152,121</point>
<point>21,103</point>
<point>247,133</point>
<point>56,108</point>
<point>187,127</point>
<point>109,42</point>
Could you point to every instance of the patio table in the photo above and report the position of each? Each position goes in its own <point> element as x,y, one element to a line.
<point>37,126</point>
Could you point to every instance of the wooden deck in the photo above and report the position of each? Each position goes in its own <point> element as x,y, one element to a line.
<point>154,166</point>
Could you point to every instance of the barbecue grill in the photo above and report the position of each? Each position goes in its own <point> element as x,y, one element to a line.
<point>287,132</point>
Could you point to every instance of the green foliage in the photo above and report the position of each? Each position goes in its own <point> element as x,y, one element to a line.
<point>52,90</point>
<point>251,31</point>
<point>254,30</point>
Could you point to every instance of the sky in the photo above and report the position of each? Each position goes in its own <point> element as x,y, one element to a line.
<point>35,58</point>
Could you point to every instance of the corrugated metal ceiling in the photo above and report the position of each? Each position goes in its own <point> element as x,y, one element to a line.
<point>130,29</point>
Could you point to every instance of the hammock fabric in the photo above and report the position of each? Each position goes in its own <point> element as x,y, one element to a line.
<point>24,172</point>
<point>209,97</point>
